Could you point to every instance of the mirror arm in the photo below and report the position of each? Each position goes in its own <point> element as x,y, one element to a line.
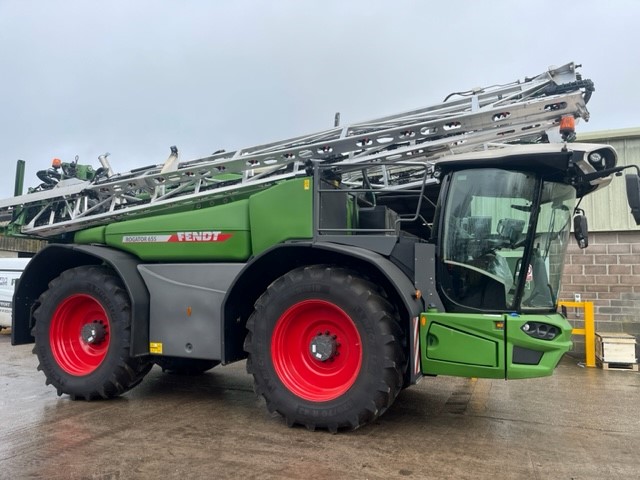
<point>605,173</point>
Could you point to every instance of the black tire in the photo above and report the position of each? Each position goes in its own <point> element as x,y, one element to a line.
<point>354,319</point>
<point>184,366</point>
<point>79,299</point>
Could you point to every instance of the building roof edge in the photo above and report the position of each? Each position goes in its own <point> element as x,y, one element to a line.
<point>603,135</point>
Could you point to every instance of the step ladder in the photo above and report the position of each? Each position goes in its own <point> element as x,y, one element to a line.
<point>518,112</point>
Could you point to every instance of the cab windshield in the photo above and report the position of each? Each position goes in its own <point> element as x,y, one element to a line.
<point>504,239</point>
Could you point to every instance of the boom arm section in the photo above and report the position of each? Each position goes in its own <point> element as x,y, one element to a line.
<point>521,111</point>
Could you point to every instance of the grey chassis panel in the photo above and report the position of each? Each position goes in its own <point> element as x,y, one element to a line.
<point>186,306</point>
<point>425,272</point>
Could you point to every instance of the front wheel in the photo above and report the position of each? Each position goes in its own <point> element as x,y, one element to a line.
<point>83,335</point>
<point>325,349</point>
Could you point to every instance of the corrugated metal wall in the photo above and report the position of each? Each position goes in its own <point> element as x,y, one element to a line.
<point>607,209</point>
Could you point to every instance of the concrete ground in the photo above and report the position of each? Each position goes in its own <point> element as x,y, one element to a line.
<point>579,424</point>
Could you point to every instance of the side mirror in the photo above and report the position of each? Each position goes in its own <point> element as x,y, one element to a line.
<point>581,229</point>
<point>633,195</point>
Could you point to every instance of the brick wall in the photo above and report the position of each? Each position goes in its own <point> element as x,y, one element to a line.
<point>607,273</point>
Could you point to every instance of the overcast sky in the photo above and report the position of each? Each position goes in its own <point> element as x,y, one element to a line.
<point>134,77</point>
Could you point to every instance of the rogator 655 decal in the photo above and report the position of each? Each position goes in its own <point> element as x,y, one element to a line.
<point>179,237</point>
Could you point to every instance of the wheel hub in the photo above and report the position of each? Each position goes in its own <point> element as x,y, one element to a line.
<point>324,347</point>
<point>93,333</point>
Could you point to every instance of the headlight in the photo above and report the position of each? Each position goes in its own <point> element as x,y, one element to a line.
<point>543,331</point>
<point>596,160</point>
<point>601,159</point>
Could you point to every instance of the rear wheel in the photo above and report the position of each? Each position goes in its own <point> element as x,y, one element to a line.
<point>83,335</point>
<point>325,349</point>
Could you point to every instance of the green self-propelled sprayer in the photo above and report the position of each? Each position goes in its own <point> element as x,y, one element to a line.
<point>342,265</point>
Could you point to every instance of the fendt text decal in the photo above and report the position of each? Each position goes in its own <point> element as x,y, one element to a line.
<point>191,237</point>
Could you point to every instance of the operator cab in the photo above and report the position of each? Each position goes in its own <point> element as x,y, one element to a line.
<point>504,221</point>
<point>494,222</point>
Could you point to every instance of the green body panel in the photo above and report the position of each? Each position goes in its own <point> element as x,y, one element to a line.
<point>553,349</point>
<point>282,212</point>
<point>218,233</point>
<point>473,345</point>
<point>228,228</point>
<point>465,345</point>
<point>91,235</point>
<point>450,345</point>
<point>225,177</point>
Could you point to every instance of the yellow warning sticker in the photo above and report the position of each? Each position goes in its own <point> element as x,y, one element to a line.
<point>155,347</point>
<point>307,184</point>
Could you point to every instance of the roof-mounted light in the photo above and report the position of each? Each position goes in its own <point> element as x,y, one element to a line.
<point>568,128</point>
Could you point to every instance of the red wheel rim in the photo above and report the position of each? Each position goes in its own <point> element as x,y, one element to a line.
<point>73,353</point>
<point>298,369</point>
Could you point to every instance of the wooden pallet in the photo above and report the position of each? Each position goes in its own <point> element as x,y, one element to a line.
<point>617,366</point>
